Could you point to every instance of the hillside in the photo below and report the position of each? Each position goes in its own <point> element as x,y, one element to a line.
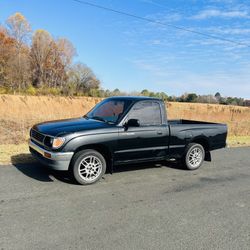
<point>20,112</point>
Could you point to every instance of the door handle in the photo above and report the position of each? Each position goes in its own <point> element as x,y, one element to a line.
<point>159,133</point>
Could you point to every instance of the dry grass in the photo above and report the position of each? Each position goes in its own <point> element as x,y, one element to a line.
<point>237,118</point>
<point>18,113</point>
<point>11,153</point>
<point>237,141</point>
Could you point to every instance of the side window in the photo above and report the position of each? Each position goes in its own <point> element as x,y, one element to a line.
<point>147,112</point>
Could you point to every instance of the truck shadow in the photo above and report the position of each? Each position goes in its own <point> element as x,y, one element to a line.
<point>143,166</point>
<point>33,169</point>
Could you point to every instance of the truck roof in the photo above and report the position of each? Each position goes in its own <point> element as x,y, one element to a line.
<point>134,98</point>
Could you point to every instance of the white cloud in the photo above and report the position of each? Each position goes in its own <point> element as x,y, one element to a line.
<point>177,80</point>
<point>220,14</point>
<point>166,16</point>
<point>156,42</point>
<point>231,31</point>
<point>230,84</point>
<point>151,68</point>
<point>153,3</point>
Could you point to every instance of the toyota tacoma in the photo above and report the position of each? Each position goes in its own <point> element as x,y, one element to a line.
<point>123,130</point>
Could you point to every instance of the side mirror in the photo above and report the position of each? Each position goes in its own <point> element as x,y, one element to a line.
<point>133,123</point>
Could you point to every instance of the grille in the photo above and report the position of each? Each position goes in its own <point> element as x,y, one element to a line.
<point>37,136</point>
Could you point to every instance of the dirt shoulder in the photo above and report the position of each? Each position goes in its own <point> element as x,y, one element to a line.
<point>238,141</point>
<point>14,154</point>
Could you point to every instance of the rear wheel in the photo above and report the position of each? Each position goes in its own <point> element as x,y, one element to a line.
<point>194,156</point>
<point>88,166</point>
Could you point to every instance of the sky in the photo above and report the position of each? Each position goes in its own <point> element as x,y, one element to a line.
<point>132,55</point>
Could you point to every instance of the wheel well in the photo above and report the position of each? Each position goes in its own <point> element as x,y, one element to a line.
<point>203,142</point>
<point>104,150</point>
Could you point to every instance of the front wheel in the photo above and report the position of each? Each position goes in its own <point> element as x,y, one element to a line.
<point>88,166</point>
<point>194,156</point>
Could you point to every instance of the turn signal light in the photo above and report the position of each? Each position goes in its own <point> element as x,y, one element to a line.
<point>47,155</point>
<point>58,142</point>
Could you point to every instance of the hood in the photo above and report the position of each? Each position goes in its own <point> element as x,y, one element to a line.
<point>62,127</point>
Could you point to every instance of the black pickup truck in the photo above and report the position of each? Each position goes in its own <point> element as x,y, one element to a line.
<point>122,130</point>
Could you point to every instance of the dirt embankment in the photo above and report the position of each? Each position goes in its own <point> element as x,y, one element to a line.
<point>19,113</point>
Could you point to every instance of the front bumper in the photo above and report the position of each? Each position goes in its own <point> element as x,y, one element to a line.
<point>55,160</point>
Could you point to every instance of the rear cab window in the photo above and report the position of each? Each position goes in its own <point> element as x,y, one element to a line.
<point>147,112</point>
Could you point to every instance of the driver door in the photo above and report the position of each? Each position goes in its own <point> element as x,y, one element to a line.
<point>149,141</point>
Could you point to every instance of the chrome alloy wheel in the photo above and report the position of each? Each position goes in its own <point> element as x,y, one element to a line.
<point>195,157</point>
<point>90,168</point>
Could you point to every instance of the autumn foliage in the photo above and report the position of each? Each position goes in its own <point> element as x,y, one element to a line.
<point>35,62</point>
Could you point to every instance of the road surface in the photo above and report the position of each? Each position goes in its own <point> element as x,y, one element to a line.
<point>142,207</point>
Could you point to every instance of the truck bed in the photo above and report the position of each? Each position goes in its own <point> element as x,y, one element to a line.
<point>183,131</point>
<point>182,121</point>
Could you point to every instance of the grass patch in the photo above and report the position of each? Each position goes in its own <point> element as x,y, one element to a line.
<point>237,141</point>
<point>11,153</point>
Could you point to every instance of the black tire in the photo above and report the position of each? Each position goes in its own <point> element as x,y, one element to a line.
<point>189,157</point>
<point>76,166</point>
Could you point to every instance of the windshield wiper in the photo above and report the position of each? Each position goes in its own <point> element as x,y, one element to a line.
<point>86,117</point>
<point>99,118</point>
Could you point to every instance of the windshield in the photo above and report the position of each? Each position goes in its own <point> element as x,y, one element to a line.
<point>109,110</point>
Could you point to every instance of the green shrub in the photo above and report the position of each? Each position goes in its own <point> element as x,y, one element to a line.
<point>54,91</point>
<point>49,91</point>
<point>30,90</point>
<point>3,90</point>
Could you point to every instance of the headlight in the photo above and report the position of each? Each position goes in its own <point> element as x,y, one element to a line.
<point>58,142</point>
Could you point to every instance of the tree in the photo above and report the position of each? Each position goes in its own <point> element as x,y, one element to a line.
<point>49,60</point>
<point>206,99</point>
<point>66,51</point>
<point>116,92</point>
<point>40,51</point>
<point>145,92</point>
<point>218,96</point>
<point>19,29</point>
<point>82,78</point>
<point>192,97</point>
<point>6,51</point>
<point>162,96</point>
